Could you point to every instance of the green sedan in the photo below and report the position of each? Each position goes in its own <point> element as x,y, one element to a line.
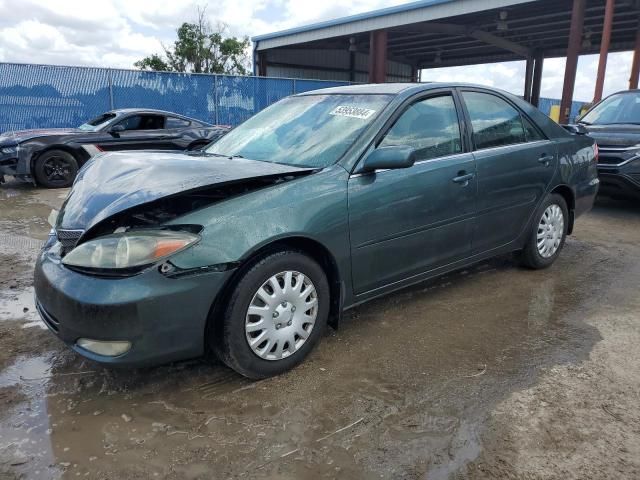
<point>320,202</point>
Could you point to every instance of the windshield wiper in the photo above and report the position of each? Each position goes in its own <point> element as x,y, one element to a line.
<point>582,122</point>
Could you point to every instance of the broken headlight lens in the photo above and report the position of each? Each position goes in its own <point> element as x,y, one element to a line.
<point>129,250</point>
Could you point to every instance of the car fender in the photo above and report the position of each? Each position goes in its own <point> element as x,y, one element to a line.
<point>313,207</point>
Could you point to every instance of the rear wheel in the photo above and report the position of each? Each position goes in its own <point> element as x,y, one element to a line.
<point>55,169</point>
<point>548,233</point>
<point>275,315</point>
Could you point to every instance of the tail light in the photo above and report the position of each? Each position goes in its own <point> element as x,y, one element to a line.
<point>596,151</point>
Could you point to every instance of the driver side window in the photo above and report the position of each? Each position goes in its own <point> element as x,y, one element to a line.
<point>430,126</point>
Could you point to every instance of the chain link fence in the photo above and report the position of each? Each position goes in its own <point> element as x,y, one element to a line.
<point>47,96</point>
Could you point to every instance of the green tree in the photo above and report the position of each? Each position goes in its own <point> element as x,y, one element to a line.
<point>201,49</point>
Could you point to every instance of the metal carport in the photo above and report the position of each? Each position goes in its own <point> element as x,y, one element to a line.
<point>396,43</point>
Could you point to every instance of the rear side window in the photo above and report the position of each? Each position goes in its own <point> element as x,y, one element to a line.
<point>430,126</point>
<point>143,122</point>
<point>173,122</point>
<point>99,120</point>
<point>495,122</point>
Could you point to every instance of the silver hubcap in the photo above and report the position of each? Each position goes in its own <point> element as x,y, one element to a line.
<point>281,315</point>
<point>550,231</point>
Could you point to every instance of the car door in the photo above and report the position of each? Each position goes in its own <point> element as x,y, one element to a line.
<point>407,221</point>
<point>140,132</point>
<point>515,164</point>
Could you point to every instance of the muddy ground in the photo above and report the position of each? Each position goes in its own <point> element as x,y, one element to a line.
<point>491,372</point>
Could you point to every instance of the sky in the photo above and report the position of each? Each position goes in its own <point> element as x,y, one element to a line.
<point>116,33</point>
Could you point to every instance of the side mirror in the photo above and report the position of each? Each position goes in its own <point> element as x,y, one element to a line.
<point>389,158</point>
<point>116,129</point>
<point>576,129</point>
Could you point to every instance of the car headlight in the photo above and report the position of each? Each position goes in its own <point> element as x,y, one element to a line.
<point>9,150</point>
<point>129,250</point>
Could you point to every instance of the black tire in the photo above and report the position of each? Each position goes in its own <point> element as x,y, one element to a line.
<point>55,169</point>
<point>231,345</point>
<point>530,256</point>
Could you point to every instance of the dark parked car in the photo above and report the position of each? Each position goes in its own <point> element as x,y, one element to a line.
<point>615,125</point>
<point>318,203</point>
<point>53,156</point>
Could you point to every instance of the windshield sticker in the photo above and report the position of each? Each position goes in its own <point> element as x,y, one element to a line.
<point>354,112</point>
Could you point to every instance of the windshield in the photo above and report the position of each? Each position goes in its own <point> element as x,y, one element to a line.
<point>618,108</point>
<point>97,123</point>
<point>306,131</point>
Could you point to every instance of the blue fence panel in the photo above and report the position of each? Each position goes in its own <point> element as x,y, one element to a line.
<point>183,93</point>
<point>306,85</point>
<point>238,98</point>
<point>45,96</point>
<point>547,103</point>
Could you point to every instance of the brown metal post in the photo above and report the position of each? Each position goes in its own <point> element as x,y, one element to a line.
<point>573,51</point>
<point>635,66</point>
<point>262,64</point>
<point>378,56</point>
<point>537,78</point>
<point>352,66</point>
<point>528,78</point>
<point>604,49</point>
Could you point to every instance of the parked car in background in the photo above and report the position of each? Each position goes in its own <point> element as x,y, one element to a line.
<point>52,157</point>
<point>615,125</point>
<point>318,203</point>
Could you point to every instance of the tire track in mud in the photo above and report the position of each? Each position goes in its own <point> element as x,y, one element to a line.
<point>222,383</point>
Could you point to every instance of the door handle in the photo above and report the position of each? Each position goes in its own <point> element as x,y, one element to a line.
<point>463,178</point>
<point>545,159</point>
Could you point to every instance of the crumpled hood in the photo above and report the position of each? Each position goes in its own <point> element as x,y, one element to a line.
<point>615,135</point>
<point>114,182</point>
<point>24,135</point>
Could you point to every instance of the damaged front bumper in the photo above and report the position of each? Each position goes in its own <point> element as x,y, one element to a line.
<point>163,318</point>
<point>11,163</point>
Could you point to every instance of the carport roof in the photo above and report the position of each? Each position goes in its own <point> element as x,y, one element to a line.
<point>440,33</point>
<point>351,19</point>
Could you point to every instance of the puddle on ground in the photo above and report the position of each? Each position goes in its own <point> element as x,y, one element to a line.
<point>25,208</point>
<point>26,437</point>
<point>18,305</point>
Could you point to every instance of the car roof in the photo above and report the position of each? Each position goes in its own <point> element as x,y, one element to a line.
<point>369,88</point>
<point>635,91</point>
<point>394,88</point>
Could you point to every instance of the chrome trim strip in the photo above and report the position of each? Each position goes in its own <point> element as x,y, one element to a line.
<point>621,164</point>
<point>511,145</point>
<point>618,149</point>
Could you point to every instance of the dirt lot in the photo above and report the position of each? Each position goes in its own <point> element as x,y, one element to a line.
<point>492,372</point>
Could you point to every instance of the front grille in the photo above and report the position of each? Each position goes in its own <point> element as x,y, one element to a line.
<point>47,318</point>
<point>68,239</point>
<point>609,160</point>
<point>609,155</point>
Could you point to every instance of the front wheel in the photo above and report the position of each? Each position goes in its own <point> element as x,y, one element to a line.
<point>548,233</point>
<point>275,315</point>
<point>55,169</point>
